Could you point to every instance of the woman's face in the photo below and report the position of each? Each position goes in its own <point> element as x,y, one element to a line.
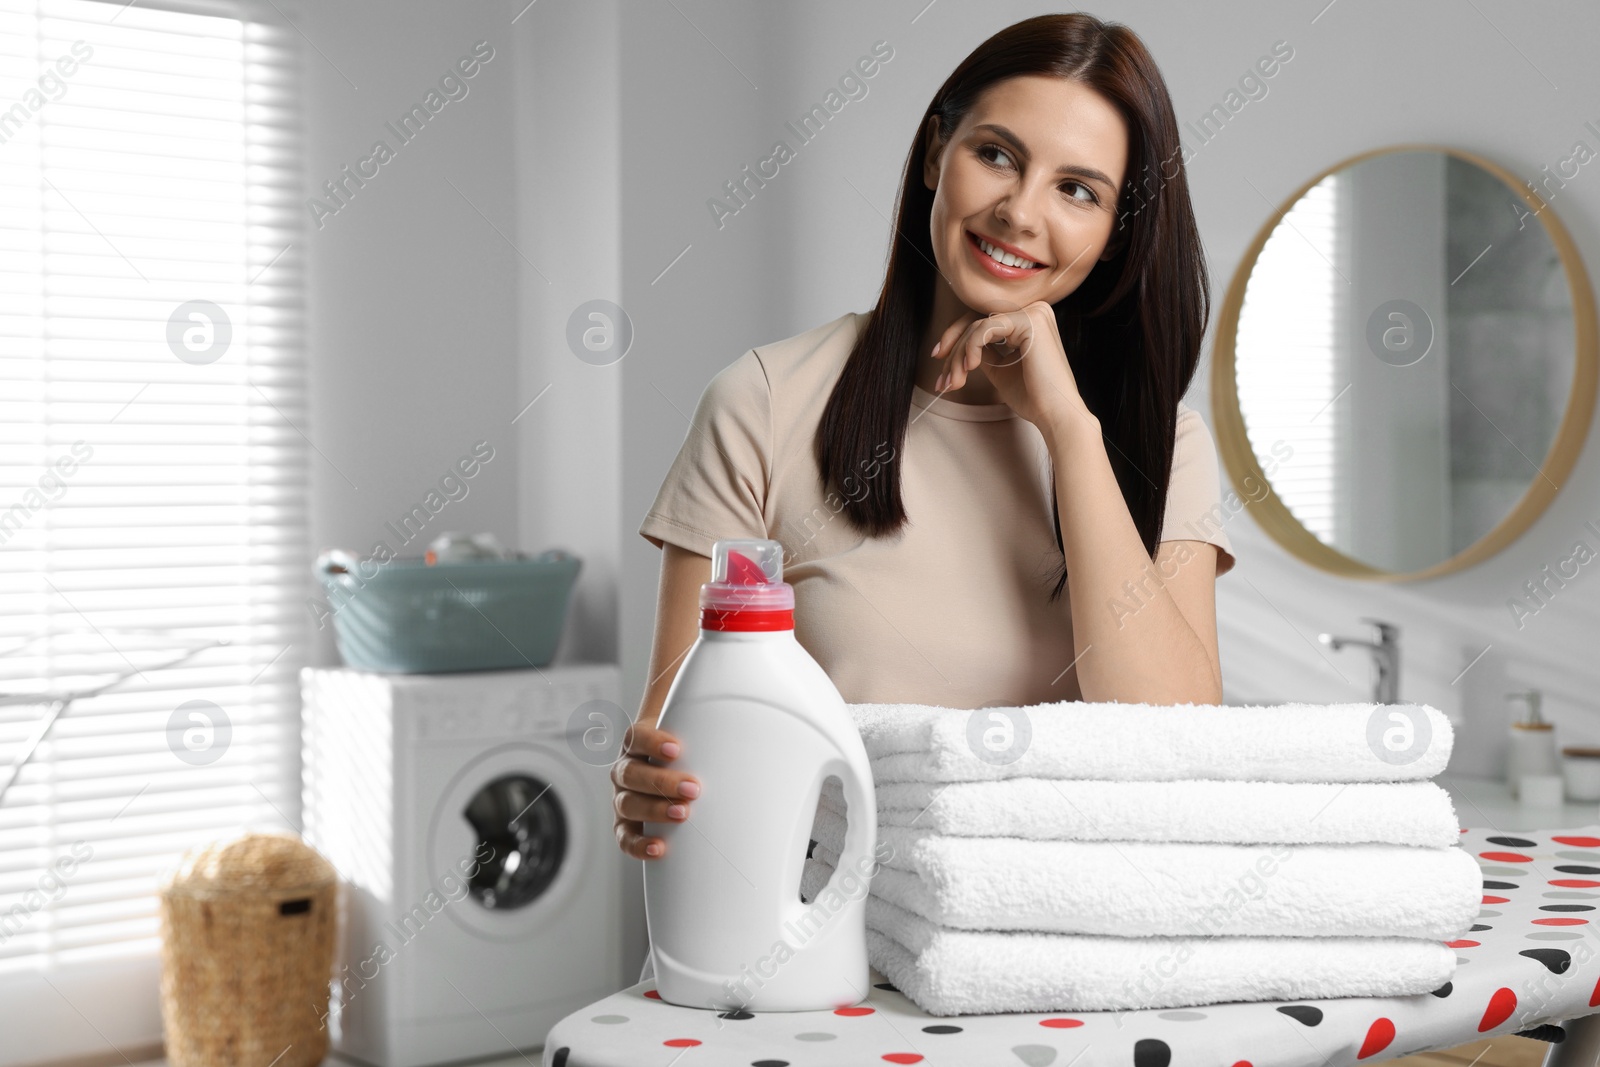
<point>1034,168</point>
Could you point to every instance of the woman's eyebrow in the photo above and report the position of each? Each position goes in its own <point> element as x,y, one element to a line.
<point>1069,169</point>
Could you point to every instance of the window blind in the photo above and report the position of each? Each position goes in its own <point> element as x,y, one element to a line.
<point>153,479</point>
<point>1287,357</point>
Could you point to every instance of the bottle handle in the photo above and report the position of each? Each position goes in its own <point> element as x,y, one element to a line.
<point>861,829</point>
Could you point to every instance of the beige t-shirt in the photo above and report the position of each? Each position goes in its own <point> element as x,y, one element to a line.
<point>951,611</point>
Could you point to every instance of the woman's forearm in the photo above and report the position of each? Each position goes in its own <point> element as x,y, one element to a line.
<point>1149,655</point>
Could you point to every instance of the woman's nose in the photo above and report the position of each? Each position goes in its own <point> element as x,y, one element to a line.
<point>1020,210</point>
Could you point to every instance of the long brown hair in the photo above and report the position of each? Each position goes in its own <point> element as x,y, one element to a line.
<point>1131,330</point>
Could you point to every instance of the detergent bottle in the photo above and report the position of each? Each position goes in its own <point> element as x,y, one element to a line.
<point>761,725</point>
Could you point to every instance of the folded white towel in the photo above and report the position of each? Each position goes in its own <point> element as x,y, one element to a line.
<point>963,972</point>
<point>1395,813</point>
<point>1143,888</point>
<point>1144,742</point>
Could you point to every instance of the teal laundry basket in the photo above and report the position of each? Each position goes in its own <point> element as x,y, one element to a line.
<point>406,617</point>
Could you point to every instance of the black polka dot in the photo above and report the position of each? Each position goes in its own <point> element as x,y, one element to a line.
<point>769,1063</point>
<point>1302,1013</point>
<point>1576,868</point>
<point>1513,842</point>
<point>1500,885</point>
<point>885,985</point>
<point>1566,907</point>
<point>941,1029</point>
<point>560,1058</point>
<point>1556,960</point>
<point>1151,1052</point>
<point>737,1013</point>
<point>1478,926</point>
<point>1443,991</point>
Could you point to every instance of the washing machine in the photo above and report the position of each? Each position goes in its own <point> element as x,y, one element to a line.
<point>469,816</point>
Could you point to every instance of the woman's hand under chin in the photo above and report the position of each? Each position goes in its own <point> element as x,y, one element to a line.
<point>1022,356</point>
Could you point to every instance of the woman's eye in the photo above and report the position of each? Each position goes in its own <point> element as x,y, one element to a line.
<point>991,148</point>
<point>1090,199</point>
<point>984,153</point>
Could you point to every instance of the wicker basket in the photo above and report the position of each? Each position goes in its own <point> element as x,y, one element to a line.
<point>247,953</point>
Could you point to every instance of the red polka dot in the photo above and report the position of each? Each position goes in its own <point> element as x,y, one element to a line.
<point>1501,1005</point>
<point>680,1042</point>
<point>1061,1024</point>
<point>652,994</point>
<point>1506,857</point>
<point>1580,841</point>
<point>1463,943</point>
<point>1247,1063</point>
<point>1575,883</point>
<point>852,1011</point>
<point>1594,995</point>
<point>1463,829</point>
<point>902,1057</point>
<point>1497,900</point>
<point>1559,922</point>
<point>1379,1034</point>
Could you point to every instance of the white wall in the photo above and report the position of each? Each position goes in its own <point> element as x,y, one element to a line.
<point>703,95</point>
<point>568,153</point>
<point>413,289</point>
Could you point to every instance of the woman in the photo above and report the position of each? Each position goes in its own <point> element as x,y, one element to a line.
<point>1004,426</point>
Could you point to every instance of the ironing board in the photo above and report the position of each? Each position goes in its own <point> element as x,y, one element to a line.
<point>1530,963</point>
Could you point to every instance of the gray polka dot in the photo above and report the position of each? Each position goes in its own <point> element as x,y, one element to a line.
<point>1463,960</point>
<point>1487,914</point>
<point>609,1020</point>
<point>1553,935</point>
<point>814,1035</point>
<point>1571,894</point>
<point>1183,1016</point>
<point>1512,871</point>
<point>1035,1055</point>
<point>1575,854</point>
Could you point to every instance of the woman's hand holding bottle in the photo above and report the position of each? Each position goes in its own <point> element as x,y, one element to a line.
<point>644,790</point>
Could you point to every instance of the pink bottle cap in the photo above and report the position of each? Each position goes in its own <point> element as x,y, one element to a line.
<point>746,576</point>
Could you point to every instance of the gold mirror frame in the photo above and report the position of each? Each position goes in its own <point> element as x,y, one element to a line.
<point>1233,444</point>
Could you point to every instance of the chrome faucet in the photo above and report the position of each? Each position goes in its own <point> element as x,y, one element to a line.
<point>1385,646</point>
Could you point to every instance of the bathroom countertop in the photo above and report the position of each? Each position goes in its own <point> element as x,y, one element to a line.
<point>1527,961</point>
<point>1488,802</point>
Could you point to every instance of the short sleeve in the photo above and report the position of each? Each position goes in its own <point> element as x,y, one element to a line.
<point>1194,493</point>
<point>716,487</point>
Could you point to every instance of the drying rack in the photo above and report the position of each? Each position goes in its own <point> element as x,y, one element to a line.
<point>57,703</point>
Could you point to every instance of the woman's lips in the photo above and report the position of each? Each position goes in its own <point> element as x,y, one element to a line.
<point>994,266</point>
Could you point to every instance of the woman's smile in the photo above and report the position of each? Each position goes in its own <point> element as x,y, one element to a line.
<point>996,267</point>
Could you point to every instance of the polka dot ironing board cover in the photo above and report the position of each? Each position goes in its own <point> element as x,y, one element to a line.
<point>1529,959</point>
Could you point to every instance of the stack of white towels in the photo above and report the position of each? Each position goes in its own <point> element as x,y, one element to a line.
<point>1139,856</point>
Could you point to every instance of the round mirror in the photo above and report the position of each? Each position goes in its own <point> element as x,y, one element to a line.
<point>1405,364</point>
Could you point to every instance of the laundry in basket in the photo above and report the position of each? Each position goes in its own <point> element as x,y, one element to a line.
<point>405,616</point>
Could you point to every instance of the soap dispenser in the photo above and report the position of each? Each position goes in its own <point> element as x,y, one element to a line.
<point>1533,743</point>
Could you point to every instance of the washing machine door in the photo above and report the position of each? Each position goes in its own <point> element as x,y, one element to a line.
<point>516,823</point>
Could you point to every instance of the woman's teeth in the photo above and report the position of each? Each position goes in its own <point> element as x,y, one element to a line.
<point>1000,256</point>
